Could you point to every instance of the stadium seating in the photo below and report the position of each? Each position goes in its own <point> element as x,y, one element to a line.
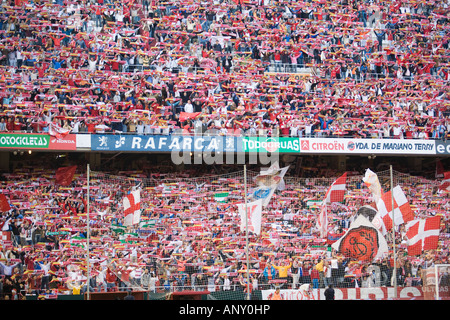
<point>256,67</point>
<point>345,69</point>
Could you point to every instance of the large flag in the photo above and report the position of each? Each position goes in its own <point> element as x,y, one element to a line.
<point>402,210</point>
<point>371,181</point>
<point>422,234</point>
<point>267,182</point>
<point>253,216</point>
<point>262,193</point>
<point>322,222</point>
<point>445,185</point>
<point>362,241</point>
<point>367,211</point>
<point>132,208</point>
<point>272,177</point>
<point>64,175</point>
<point>4,203</point>
<point>336,191</point>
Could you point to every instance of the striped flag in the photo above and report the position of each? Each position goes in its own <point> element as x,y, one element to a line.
<point>445,185</point>
<point>422,234</point>
<point>221,197</point>
<point>336,191</point>
<point>132,208</point>
<point>402,210</point>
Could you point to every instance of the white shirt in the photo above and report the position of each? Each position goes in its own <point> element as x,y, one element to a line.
<point>188,108</point>
<point>45,268</point>
<point>140,128</point>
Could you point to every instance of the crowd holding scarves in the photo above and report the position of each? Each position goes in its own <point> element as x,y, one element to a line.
<point>186,238</point>
<point>377,69</point>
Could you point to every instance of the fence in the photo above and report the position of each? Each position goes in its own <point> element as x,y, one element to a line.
<point>191,199</point>
<point>179,207</point>
<point>383,293</point>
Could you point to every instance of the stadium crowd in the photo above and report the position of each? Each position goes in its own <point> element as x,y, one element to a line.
<point>188,239</point>
<point>291,68</point>
<point>258,67</point>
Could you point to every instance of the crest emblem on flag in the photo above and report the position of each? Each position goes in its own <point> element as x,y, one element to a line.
<point>267,182</point>
<point>362,241</point>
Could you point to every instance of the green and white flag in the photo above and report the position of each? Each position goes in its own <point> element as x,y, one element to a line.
<point>221,197</point>
<point>118,228</point>
<point>148,223</point>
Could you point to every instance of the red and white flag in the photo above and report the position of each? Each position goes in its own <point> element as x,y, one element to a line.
<point>445,185</point>
<point>55,130</point>
<point>402,210</point>
<point>362,241</point>
<point>422,234</point>
<point>336,191</point>
<point>132,208</point>
<point>253,216</point>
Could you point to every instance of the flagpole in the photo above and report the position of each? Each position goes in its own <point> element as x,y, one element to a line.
<point>88,236</point>
<point>436,282</point>
<point>246,232</point>
<point>393,235</point>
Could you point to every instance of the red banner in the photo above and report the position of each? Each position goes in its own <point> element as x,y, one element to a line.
<point>69,142</point>
<point>64,175</point>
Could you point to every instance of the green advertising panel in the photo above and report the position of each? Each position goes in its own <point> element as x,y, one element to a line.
<point>271,144</point>
<point>31,141</point>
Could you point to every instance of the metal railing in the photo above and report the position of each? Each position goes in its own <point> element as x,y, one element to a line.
<point>261,133</point>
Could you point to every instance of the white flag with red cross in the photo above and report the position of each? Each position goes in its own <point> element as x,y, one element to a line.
<point>132,208</point>
<point>253,216</point>
<point>422,234</point>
